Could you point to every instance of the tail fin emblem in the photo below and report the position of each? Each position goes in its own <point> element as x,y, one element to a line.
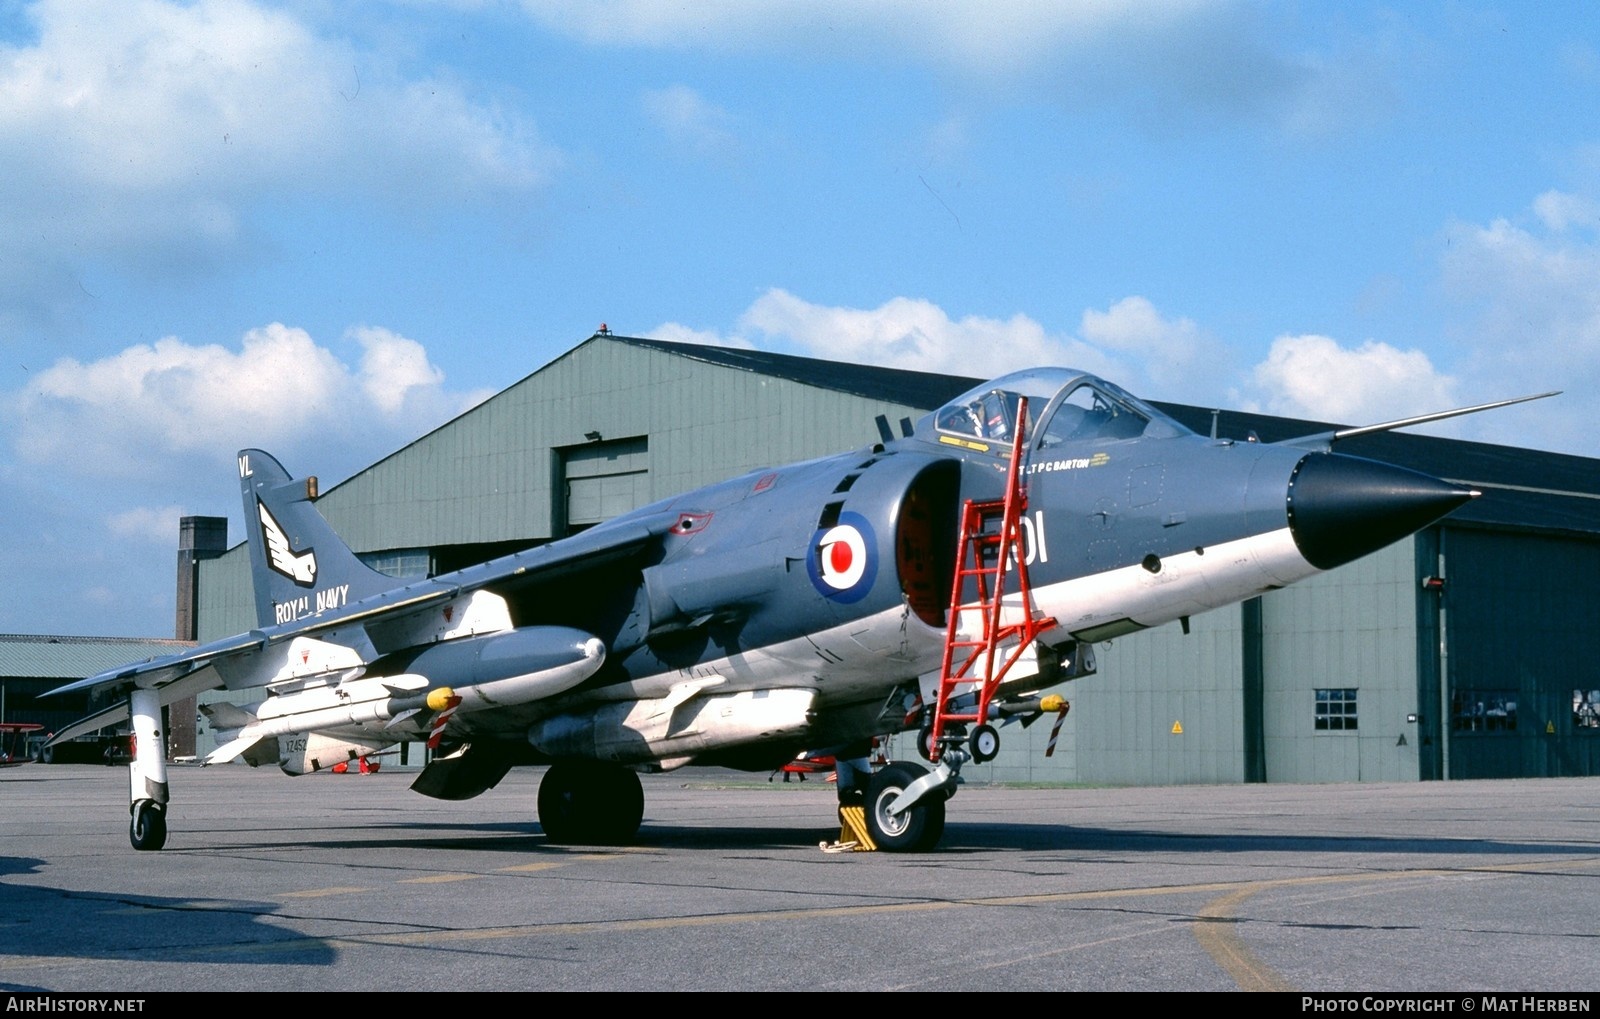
<point>300,567</point>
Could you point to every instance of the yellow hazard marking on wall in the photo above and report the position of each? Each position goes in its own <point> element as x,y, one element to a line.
<point>1177,728</point>
<point>1550,727</point>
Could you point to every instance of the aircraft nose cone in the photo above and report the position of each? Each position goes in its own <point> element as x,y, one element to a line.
<point>1343,507</point>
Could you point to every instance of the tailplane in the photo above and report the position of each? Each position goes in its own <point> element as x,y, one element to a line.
<point>300,566</point>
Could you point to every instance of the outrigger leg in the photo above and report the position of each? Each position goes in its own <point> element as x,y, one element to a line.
<point>147,772</point>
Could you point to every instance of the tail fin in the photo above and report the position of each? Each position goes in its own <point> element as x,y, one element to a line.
<point>300,566</point>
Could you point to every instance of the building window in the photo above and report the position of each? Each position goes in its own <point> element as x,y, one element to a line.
<point>1336,709</point>
<point>1586,710</point>
<point>401,563</point>
<point>1483,711</point>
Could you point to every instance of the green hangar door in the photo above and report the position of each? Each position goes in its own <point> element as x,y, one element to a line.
<point>1523,688</point>
<point>603,479</point>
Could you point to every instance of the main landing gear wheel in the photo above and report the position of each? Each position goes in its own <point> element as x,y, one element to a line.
<point>915,830</point>
<point>590,804</point>
<point>148,829</point>
<point>984,743</point>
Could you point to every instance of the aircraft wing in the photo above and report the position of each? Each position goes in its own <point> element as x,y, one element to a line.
<point>216,664</point>
<point>166,670</point>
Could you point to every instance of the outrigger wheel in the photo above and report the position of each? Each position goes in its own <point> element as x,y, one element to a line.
<point>148,829</point>
<point>984,744</point>
<point>147,772</point>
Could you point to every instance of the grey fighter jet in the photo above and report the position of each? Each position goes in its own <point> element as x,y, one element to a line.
<point>940,583</point>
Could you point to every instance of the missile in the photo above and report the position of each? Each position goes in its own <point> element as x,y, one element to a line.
<point>512,667</point>
<point>1026,706</point>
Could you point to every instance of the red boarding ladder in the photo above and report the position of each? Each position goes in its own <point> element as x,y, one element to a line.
<point>985,658</point>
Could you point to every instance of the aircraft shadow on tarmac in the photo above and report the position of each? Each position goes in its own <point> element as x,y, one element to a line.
<point>976,837</point>
<point>64,923</point>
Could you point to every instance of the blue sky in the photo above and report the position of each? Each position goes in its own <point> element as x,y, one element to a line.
<point>325,228</point>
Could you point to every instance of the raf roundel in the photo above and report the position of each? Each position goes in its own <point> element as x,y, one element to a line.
<point>843,562</point>
<point>842,557</point>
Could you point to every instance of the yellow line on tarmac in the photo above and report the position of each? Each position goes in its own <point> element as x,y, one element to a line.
<point>1218,935</point>
<point>317,893</point>
<point>1219,939</point>
<point>1215,933</point>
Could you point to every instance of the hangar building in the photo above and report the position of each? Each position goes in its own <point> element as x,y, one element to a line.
<point>31,666</point>
<point>1459,653</point>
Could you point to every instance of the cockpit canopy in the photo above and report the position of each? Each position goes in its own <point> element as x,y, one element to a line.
<point>1064,407</point>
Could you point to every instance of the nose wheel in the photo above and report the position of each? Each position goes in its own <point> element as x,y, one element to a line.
<point>916,829</point>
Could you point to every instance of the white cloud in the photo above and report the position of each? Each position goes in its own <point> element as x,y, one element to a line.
<point>1132,343</point>
<point>1560,211</point>
<point>133,411</point>
<point>1006,33</point>
<point>1129,343</point>
<point>145,132</point>
<point>393,367</point>
<point>674,332</point>
<point>156,525</point>
<point>1180,360</point>
<point>691,123</point>
<point>1180,61</point>
<point>1174,358</point>
<point>1316,377</point>
<point>910,333</point>
<point>1528,304</point>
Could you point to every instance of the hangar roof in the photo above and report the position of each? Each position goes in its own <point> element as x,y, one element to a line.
<point>26,656</point>
<point>928,390</point>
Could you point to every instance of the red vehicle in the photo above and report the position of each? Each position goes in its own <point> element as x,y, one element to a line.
<point>805,765</point>
<point>15,745</point>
